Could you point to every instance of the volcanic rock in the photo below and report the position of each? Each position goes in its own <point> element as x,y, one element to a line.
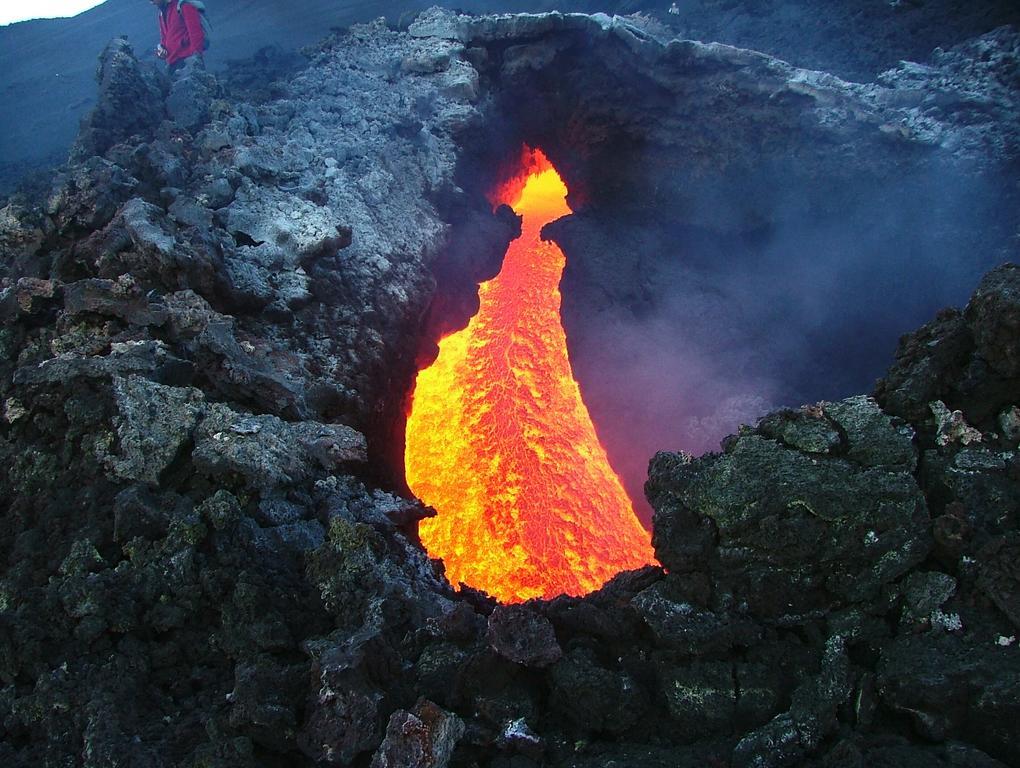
<point>924,593</point>
<point>994,317</point>
<point>209,337</point>
<point>701,697</point>
<point>927,361</point>
<point>267,452</point>
<point>761,508</point>
<point>873,439</point>
<point>522,635</point>
<point>952,427</point>
<point>680,625</point>
<point>89,196</point>
<point>422,738</point>
<point>999,575</point>
<point>967,361</point>
<point>21,236</point>
<point>153,425</point>
<point>130,102</point>
<point>266,699</point>
<point>191,94</point>
<point>594,698</point>
<point>343,718</point>
<point>1009,422</point>
<point>955,686</point>
<point>806,430</point>
<point>812,716</point>
<point>28,297</point>
<point>122,298</point>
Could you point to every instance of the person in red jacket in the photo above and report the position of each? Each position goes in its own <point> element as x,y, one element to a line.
<point>180,32</point>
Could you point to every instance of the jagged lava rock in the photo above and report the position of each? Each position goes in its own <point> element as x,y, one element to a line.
<point>130,101</point>
<point>993,315</point>
<point>422,738</point>
<point>523,635</point>
<point>966,360</point>
<point>787,531</point>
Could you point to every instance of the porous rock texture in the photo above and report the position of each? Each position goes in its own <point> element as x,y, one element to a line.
<point>208,334</point>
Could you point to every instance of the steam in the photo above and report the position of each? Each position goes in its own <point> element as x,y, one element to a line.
<point>678,334</point>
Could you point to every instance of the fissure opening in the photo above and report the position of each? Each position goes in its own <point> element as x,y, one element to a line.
<point>499,440</point>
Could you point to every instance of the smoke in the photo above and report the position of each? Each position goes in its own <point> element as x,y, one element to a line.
<point>728,255</point>
<point>678,334</point>
<point>650,386</point>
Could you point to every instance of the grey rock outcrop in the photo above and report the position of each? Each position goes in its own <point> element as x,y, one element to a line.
<point>191,94</point>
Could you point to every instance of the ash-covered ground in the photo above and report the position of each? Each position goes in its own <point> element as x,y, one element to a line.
<point>212,321</point>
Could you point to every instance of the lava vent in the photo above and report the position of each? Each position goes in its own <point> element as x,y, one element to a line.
<point>500,442</point>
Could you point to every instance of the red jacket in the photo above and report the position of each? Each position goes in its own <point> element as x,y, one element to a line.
<point>180,31</point>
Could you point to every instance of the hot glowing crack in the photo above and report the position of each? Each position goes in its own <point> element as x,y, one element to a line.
<point>500,442</point>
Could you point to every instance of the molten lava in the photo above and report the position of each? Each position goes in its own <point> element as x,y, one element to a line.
<point>500,442</point>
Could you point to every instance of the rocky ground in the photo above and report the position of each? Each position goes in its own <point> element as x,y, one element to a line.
<point>46,66</point>
<point>210,327</point>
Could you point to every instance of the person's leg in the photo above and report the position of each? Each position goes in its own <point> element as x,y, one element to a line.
<point>187,66</point>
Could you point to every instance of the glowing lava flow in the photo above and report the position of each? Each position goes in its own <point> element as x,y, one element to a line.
<point>500,442</point>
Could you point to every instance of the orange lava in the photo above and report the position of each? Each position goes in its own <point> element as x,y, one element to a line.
<point>500,442</point>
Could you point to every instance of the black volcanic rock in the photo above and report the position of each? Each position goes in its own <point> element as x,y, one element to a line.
<point>89,196</point>
<point>130,102</point>
<point>592,697</point>
<point>687,628</point>
<point>947,684</point>
<point>968,360</point>
<point>522,635</point>
<point>425,737</point>
<point>787,738</point>
<point>859,522</point>
<point>999,577</point>
<point>806,430</point>
<point>993,315</point>
<point>928,360</point>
